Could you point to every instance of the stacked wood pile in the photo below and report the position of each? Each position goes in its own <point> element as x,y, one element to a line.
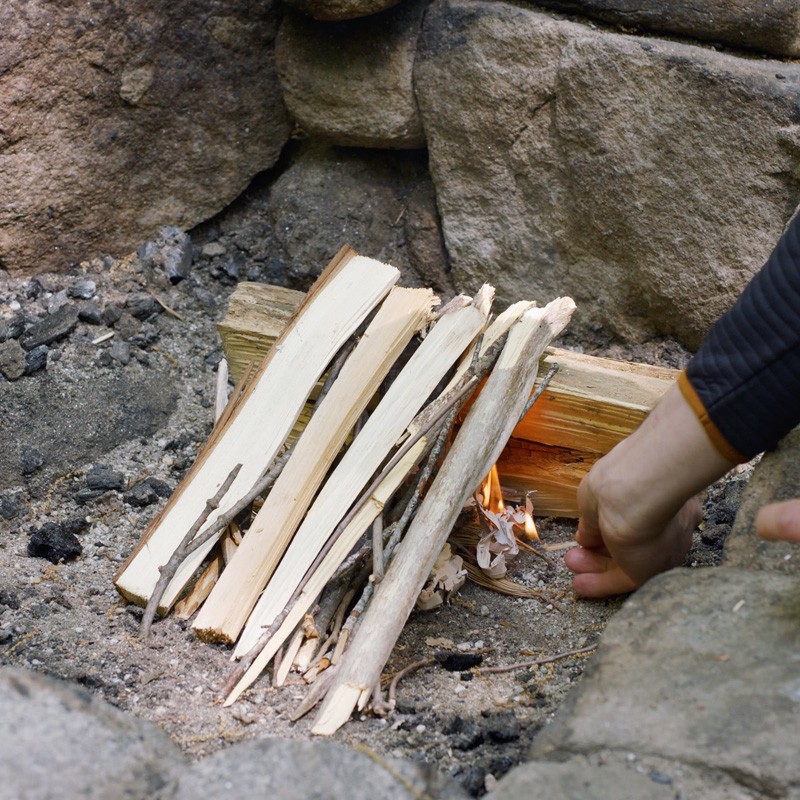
<point>266,533</point>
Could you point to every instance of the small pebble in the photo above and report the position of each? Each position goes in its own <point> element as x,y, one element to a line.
<point>83,290</point>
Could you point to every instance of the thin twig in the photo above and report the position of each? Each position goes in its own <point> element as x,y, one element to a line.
<point>317,691</point>
<point>539,389</point>
<point>536,662</point>
<point>398,676</point>
<point>377,547</point>
<point>185,548</point>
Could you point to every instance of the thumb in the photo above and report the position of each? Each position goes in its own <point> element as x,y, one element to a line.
<point>779,521</point>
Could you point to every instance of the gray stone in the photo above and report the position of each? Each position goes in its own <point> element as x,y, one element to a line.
<point>141,495</point>
<point>772,27</point>
<point>12,327</point>
<point>577,779</point>
<point>283,769</point>
<point>121,351</point>
<point>648,179</point>
<point>213,249</point>
<point>31,460</point>
<point>776,477</point>
<point>70,419</point>
<point>340,9</point>
<point>91,313</point>
<point>83,290</point>
<point>142,305</point>
<point>52,328</point>
<point>57,741</point>
<point>698,666</point>
<point>172,253</point>
<point>102,477</point>
<point>36,359</point>
<point>351,83</point>
<point>374,201</point>
<point>12,359</point>
<point>124,117</point>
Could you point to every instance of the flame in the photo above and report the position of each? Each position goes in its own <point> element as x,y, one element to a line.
<point>491,495</point>
<point>530,525</point>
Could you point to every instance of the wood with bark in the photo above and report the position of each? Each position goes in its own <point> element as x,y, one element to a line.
<point>475,449</point>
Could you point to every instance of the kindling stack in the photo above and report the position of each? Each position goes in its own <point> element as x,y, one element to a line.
<point>272,534</point>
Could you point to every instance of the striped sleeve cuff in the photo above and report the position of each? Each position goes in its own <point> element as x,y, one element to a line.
<point>712,431</point>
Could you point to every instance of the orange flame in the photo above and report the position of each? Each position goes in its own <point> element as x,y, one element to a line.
<point>491,494</point>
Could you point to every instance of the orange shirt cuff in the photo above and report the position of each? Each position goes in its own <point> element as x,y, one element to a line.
<point>712,431</point>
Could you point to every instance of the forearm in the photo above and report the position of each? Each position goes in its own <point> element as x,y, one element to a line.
<point>746,375</point>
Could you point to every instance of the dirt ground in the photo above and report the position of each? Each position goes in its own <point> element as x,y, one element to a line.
<point>67,619</point>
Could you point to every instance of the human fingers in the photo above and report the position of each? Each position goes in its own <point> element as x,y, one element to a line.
<point>588,534</point>
<point>579,559</point>
<point>597,585</point>
<point>779,521</point>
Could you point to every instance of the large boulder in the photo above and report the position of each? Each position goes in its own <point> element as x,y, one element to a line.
<point>282,769</point>
<point>772,27</point>
<point>700,666</point>
<point>382,204</point>
<point>119,118</point>
<point>340,9</point>
<point>58,741</point>
<point>350,83</point>
<point>648,179</point>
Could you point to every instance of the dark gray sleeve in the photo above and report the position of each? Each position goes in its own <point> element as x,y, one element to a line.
<point>747,372</point>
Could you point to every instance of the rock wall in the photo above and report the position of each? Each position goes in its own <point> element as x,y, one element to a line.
<point>594,154</point>
<point>117,118</point>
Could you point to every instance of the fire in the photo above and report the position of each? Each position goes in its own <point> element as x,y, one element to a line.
<point>490,496</point>
<point>491,493</point>
<point>530,525</point>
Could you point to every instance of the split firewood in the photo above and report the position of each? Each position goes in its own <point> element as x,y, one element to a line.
<point>440,349</point>
<point>338,302</point>
<point>255,661</point>
<point>225,612</point>
<point>475,449</point>
<point>186,606</point>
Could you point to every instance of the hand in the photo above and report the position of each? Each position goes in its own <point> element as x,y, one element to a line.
<point>637,504</point>
<point>614,558</point>
<point>779,521</point>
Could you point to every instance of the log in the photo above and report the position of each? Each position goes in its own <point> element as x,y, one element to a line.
<point>550,475</point>
<point>475,449</point>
